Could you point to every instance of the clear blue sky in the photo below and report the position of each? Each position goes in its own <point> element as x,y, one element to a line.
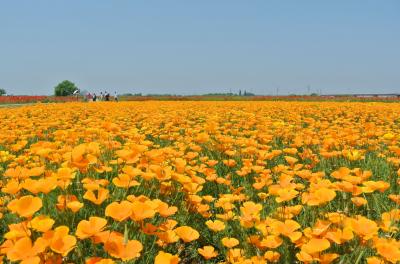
<point>195,47</point>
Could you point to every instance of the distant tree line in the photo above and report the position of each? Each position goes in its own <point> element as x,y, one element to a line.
<point>65,88</point>
<point>131,94</point>
<point>245,93</point>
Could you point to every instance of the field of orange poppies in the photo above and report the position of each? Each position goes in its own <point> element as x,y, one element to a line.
<point>200,182</point>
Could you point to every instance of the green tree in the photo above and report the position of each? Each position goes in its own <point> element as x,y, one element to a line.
<point>2,92</point>
<point>65,88</point>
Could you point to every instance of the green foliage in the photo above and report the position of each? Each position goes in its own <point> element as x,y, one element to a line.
<point>248,93</point>
<point>2,92</point>
<point>65,88</point>
<point>219,94</point>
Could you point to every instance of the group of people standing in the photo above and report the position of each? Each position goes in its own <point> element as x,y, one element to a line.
<point>102,97</point>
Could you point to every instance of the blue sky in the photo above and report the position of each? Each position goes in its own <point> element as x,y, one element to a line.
<point>195,47</point>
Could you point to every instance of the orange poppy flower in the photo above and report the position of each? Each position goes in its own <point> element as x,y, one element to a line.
<point>143,210</point>
<point>119,211</point>
<point>208,252</point>
<point>74,206</point>
<point>320,227</point>
<point>98,260</point>
<point>98,196</point>
<point>364,227</point>
<point>65,174</point>
<point>327,258</point>
<point>395,198</point>
<point>216,225</point>
<point>250,210</point>
<point>371,186</point>
<point>64,200</point>
<point>44,185</point>
<point>390,219</point>
<point>315,245</point>
<point>230,163</point>
<point>319,197</point>
<point>212,163</point>
<point>167,237</point>
<point>164,210</point>
<point>271,241</point>
<point>272,256</point>
<point>375,260</point>
<point>59,240</point>
<point>169,224</point>
<point>389,249</point>
<point>304,257</point>
<point>90,228</point>
<point>25,206</point>
<point>291,160</point>
<point>101,237</point>
<point>359,201</point>
<point>125,181</point>
<point>150,229</point>
<point>17,231</point>
<point>229,242</point>
<point>340,236</point>
<point>42,223</point>
<point>26,252</point>
<point>288,212</point>
<point>119,247</point>
<point>235,255</point>
<point>94,184</point>
<point>187,234</point>
<point>288,229</point>
<point>166,258</point>
<point>6,247</point>
<point>13,186</point>
<point>17,173</point>
<point>286,194</point>
<point>131,171</point>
